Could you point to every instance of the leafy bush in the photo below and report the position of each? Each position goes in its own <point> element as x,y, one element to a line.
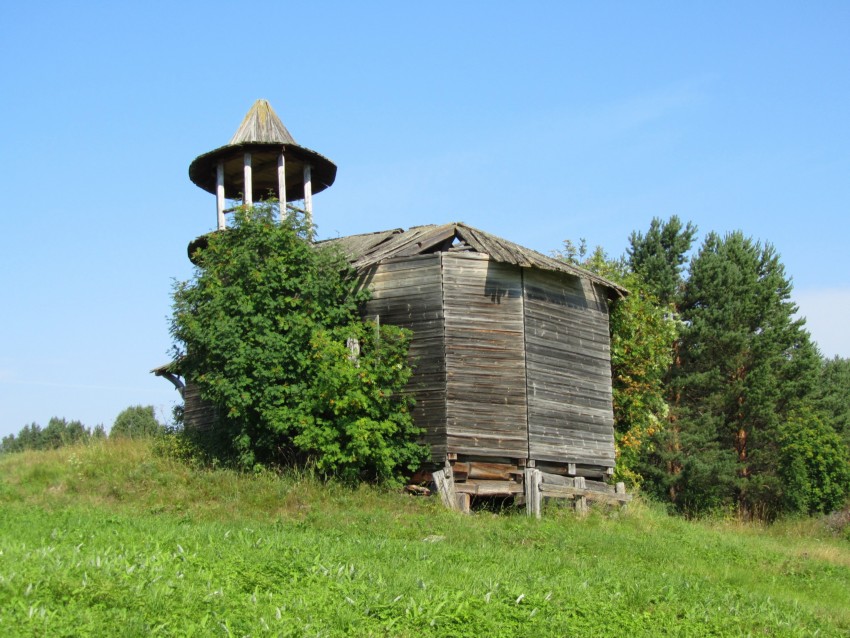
<point>642,337</point>
<point>816,465</point>
<point>136,422</point>
<point>358,422</point>
<point>262,329</point>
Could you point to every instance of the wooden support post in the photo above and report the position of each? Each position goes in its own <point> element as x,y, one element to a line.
<point>444,481</point>
<point>281,183</point>
<point>571,469</point>
<point>308,194</point>
<point>248,194</point>
<point>620,489</point>
<point>219,195</point>
<point>581,500</point>
<point>533,498</point>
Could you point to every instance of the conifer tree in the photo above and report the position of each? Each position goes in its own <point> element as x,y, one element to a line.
<point>745,366</point>
<point>657,260</point>
<point>832,395</point>
<point>659,256</point>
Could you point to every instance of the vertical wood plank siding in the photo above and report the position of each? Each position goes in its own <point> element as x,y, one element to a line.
<point>408,292</point>
<point>198,415</point>
<point>510,361</point>
<point>570,417</point>
<point>485,358</point>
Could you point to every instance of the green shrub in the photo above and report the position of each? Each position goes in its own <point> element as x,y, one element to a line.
<point>136,422</point>
<point>262,329</point>
<point>815,468</point>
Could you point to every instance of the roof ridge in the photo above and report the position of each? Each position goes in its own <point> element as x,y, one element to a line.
<point>419,240</point>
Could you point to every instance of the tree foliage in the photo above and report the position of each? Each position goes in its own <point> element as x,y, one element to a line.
<point>832,395</point>
<point>721,400</point>
<point>58,432</point>
<point>745,365</point>
<point>262,329</point>
<point>136,422</point>
<point>659,256</point>
<point>814,464</point>
<point>642,338</point>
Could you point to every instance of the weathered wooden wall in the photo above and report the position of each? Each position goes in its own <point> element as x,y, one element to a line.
<point>408,292</point>
<point>570,417</point>
<point>198,415</point>
<point>485,359</point>
<point>511,363</point>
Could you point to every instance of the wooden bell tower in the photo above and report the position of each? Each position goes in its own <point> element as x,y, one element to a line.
<point>262,161</point>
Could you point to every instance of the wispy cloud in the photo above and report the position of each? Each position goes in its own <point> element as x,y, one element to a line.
<point>639,110</point>
<point>613,119</point>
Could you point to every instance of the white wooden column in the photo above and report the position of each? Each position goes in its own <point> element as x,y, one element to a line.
<point>281,184</point>
<point>308,193</point>
<point>219,194</point>
<point>248,195</point>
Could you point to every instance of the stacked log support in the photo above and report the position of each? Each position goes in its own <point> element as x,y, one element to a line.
<point>462,480</point>
<point>581,490</point>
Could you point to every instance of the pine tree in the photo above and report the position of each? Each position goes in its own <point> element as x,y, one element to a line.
<point>657,260</point>
<point>659,256</point>
<point>832,396</point>
<point>745,365</point>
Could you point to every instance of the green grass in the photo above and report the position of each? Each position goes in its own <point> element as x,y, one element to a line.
<point>111,539</point>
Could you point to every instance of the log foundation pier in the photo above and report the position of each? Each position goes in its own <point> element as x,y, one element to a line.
<point>460,481</point>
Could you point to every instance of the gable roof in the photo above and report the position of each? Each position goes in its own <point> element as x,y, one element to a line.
<point>370,249</point>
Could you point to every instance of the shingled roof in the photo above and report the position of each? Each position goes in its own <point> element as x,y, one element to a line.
<point>364,251</point>
<point>262,125</point>
<point>262,134</point>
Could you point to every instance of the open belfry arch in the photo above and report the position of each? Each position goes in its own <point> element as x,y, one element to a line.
<point>510,348</point>
<point>262,161</point>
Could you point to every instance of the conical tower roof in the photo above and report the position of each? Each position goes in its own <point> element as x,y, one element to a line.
<point>263,135</point>
<point>262,125</point>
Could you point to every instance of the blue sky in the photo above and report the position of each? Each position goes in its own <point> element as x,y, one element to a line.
<point>536,121</point>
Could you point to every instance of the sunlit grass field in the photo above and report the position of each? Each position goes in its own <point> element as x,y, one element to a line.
<point>115,539</point>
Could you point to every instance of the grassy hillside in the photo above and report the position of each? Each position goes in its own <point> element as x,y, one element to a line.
<point>112,539</point>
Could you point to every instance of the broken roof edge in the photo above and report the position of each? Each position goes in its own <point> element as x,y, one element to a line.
<point>369,249</point>
<point>172,367</point>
